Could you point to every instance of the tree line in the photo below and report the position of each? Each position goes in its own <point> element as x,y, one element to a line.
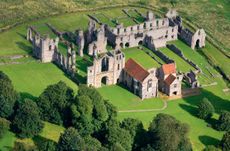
<point>91,122</point>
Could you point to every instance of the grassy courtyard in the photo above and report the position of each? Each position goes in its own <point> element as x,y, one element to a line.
<point>141,57</point>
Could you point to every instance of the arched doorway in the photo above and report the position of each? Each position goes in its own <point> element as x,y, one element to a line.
<point>197,44</point>
<point>104,80</point>
<point>140,42</point>
<point>121,45</point>
<point>127,45</point>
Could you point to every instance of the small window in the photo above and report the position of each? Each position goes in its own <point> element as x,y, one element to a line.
<point>151,25</point>
<point>175,85</point>
<point>163,22</point>
<point>167,32</point>
<point>157,23</point>
<point>166,36</point>
<point>125,30</point>
<point>131,28</point>
<point>118,67</point>
<point>138,27</point>
<point>172,36</point>
<point>172,29</point>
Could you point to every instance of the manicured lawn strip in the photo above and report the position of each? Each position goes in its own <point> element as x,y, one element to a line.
<point>82,64</point>
<point>217,58</point>
<point>51,131</point>
<point>126,21</point>
<point>141,57</point>
<point>146,50</point>
<point>180,63</point>
<point>126,100</point>
<point>32,78</point>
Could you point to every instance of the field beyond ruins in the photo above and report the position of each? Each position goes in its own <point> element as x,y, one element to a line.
<point>30,77</point>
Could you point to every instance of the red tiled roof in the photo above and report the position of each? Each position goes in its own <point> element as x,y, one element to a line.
<point>169,80</point>
<point>169,68</point>
<point>135,70</point>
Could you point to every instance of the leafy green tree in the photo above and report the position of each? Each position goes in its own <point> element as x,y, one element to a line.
<point>117,147</point>
<point>167,133</point>
<point>54,102</point>
<point>223,122</point>
<point>4,126</point>
<point>114,134</point>
<point>92,144</point>
<point>111,110</point>
<point>148,148</point>
<point>225,142</point>
<point>8,96</point>
<point>136,130</point>
<point>205,109</point>
<point>99,109</point>
<point>27,121</point>
<point>46,145</point>
<point>70,140</point>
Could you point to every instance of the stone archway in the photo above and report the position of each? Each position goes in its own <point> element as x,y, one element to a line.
<point>127,45</point>
<point>197,44</point>
<point>140,42</point>
<point>104,80</point>
<point>121,45</point>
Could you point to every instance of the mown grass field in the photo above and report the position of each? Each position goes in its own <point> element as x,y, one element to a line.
<point>32,78</point>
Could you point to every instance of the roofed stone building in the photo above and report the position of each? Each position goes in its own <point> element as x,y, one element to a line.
<point>140,81</point>
<point>169,80</point>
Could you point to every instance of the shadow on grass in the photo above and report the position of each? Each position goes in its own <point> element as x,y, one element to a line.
<point>190,109</point>
<point>26,48</point>
<point>25,95</point>
<point>207,140</point>
<point>219,103</point>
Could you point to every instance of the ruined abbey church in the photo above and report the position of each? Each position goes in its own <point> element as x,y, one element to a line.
<point>111,67</point>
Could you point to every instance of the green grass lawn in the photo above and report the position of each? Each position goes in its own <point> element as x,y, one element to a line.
<point>7,142</point>
<point>180,63</point>
<point>126,100</point>
<point>141,57</point>
<point>32,78</point>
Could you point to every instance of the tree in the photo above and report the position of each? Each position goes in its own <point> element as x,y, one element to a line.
<point>223,122</point>
<point>114,134</point>
<point>225,142</point>
<point>111,110</point>
<point>205,109</point>
<point>8,96</point>
<point>4,126</point>
<point>54,102</point>
<point>22,146</point>
<point>167,133</point>
<point>136,130</point>
<point>70,140</point>
<point>117,147</point>
<point>27,121</point>
<point>92,144</point>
